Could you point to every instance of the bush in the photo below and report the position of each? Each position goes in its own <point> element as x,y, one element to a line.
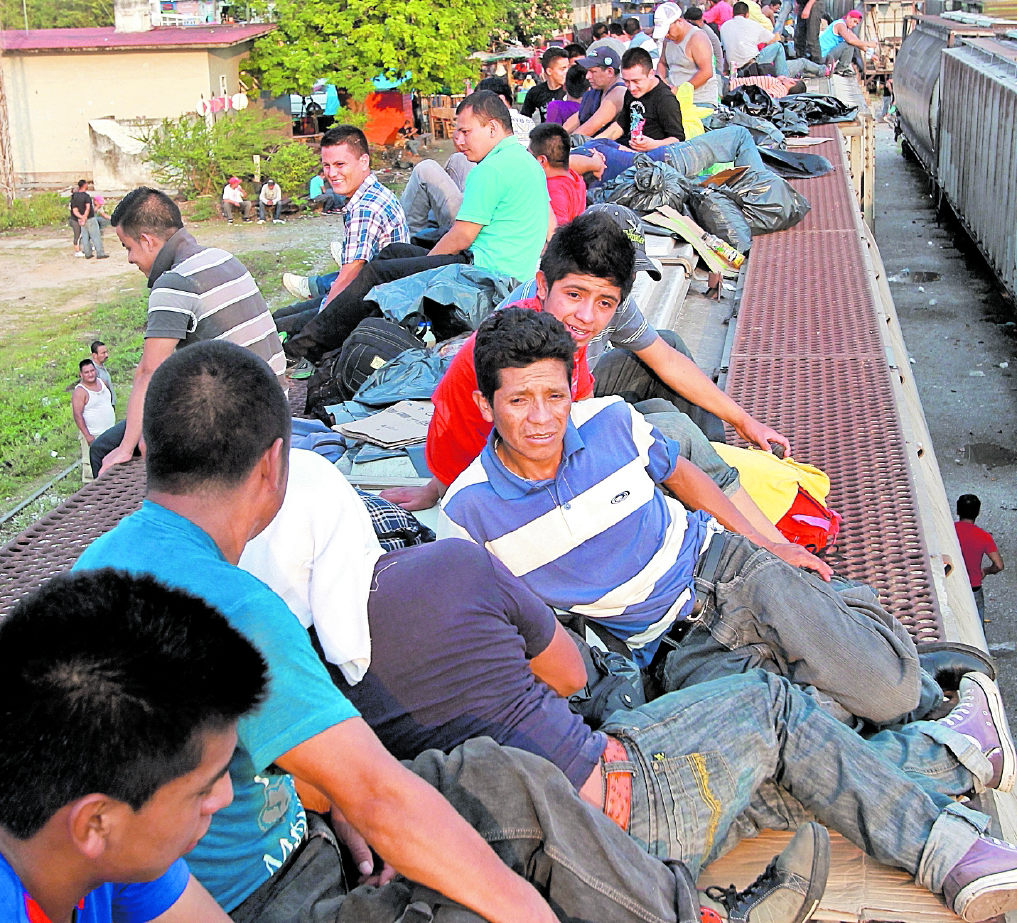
<point>39,210</point>
<point>204,208</point>
<point>198,159</point>
<point>292,165</point>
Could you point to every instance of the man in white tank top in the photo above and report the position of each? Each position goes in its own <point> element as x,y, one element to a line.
<point>686,55</point>
<point>92,406</point>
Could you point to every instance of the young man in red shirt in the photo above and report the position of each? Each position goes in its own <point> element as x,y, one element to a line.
<point>549,143</point>
<point>976,544</point>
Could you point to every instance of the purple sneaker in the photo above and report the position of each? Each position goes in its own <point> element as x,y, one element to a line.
<point>984,883</point>
<point>979,717</point>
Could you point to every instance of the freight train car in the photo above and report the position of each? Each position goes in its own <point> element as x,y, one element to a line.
<point>956,90</point>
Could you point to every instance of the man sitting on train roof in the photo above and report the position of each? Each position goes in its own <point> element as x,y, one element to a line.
<point>579,282</point>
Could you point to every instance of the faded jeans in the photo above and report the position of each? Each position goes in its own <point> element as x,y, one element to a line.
<point>529,813</point>
<point>704,761</point>
<point>430,191</point>
<point>733,144</point>
<point>831,638</point>
<point>91,236</point>
<point>774,54</point>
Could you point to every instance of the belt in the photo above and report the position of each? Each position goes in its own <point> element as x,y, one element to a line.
<point>617,783</point>
<point>705,571</point>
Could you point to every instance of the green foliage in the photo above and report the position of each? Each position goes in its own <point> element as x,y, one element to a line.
<point>292,167</point>
<point>526,22</point>
<point>187,153</point>
<point>350,42</point>
<point>203,208</point>
<point>37,211</point>
<point>56,14</point>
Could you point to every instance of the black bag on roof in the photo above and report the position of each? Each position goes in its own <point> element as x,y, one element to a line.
<point>645,186</point>
<point>767,201</point>
<point>718,213</point>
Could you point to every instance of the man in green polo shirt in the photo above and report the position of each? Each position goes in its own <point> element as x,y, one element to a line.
<point>501,226</point>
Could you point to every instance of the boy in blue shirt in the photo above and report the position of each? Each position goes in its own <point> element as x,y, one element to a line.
<point>118,724</point>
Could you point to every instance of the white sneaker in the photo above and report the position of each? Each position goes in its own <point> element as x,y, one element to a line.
<point>336,249</point>
<point>261,221</point>
<point>297,286</point>
<point>278,221</point>
<point>79,253</point>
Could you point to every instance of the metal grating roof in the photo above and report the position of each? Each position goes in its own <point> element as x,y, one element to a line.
<point>808,359</point>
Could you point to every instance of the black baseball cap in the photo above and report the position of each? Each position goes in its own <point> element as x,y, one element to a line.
<point>631,224</point>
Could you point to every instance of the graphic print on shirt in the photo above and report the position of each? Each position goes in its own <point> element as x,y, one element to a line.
<point>637,119</point>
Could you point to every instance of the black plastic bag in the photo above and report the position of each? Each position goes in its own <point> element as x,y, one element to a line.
<point>645,186</point>
<point>790,122</point>
<point>751,99</point>
<point>818,109</point>
<point>763,132</point>
<point>767,201</point>
<point>717,213</point>
<point>795,163</point>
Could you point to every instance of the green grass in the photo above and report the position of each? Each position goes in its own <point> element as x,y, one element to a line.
<point>39,366</point>
<point>37,211</point>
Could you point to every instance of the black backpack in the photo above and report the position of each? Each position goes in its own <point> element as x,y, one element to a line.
<point>342,371</point>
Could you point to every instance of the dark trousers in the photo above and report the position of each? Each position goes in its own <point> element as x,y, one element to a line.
<point>621,372</point>
<point>329,329</point>
<point>807,33</point>
<point>294,317</point>
<point>105,443</point>
<point>586,867</point>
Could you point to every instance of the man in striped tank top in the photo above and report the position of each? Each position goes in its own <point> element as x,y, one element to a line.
<point>197,293</point>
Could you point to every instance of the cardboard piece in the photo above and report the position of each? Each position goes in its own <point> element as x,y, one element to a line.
<point>724,177</point>
<point>401,424</point>
<point>688,230</point>
<point>804,142</point>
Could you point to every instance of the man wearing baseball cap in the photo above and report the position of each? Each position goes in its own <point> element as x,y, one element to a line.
<point>686,54</point>
<point>601,104</point>
<point>233,197</point>
<point>837,43</point>
<point>574,284</point>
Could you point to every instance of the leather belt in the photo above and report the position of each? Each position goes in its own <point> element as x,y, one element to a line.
<point>617,783</point>
<point>706,571</point>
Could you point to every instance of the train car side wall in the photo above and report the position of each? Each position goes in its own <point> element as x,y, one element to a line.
<point>978,150</point>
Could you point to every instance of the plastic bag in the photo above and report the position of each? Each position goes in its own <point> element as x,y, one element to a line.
<point>753,100</point>
<point>818,109</point>
<point>719,214</point>
<point>795,163</point>
<point>645,186</point>
<point>411,376</point>
<point>763,132</point>
<point>767,201</point>
<point>790,122</point>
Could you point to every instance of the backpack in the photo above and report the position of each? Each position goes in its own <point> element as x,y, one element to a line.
<point>342,371</point>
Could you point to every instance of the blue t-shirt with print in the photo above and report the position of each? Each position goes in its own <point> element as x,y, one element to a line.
<point>249,839</point>
<point>134,903</point>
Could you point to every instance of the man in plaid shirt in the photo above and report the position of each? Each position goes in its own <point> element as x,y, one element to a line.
<point>372,219</point>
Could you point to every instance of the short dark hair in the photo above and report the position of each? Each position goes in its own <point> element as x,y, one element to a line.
<point>740,9</point>
<point>637,57</point>
<point>968,506</point>
<point>211,411</point>
<point>632,26</point>
<point>349,135</point>
<point>82,183</point>
<point>694,14</point>
<point>598,30</point>
<point>574,50</point>
<point>591,245</point>
<point>551,141</point>
<point>147,211</point>
<point>95,346</point>
<point>615,29</point>
<point>515,338</point>
<point>85,362</point>
<point>551,55</point>
<point>498,86</point>
<point>487,107</point>
<point>575,80</point>
<point>107,683</point>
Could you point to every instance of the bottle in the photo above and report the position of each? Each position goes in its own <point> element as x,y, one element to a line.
<point>724,249</point>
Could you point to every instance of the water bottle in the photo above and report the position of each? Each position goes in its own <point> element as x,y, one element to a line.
<point>724,249</point>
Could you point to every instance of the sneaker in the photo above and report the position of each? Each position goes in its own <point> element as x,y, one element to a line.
<point>261,221</point>
<point>979,717</point>
<point>229,221</point>
<point>79,253</point>
<point>303,369</point>
<point>984,883</point>
<point>788,891</point>
<point>103,256</point>
<point>297,286</point>
<point>336,249</point>
<point>278,221</point>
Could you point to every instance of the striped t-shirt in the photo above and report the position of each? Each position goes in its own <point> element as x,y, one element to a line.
<point>599,539</point>
<point>204,293</point>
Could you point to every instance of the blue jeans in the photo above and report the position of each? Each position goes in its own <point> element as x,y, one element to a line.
<point>782,18</point>
<point>774,54</point>
<point>830,638</point>
<point>261,210</point>
<point>91,236</point>
<point>704,763</point>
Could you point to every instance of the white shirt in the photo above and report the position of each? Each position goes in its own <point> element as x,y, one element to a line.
<point>741,37</point>
<point>319,554</point>
<point>233,194</point>
<point>270,194</point>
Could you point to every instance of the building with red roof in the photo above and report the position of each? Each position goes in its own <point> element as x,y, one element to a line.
<point>77,99</point>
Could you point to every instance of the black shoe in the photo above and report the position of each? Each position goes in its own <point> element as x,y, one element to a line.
<point>788,891</point>
<point>103,256</point>
<point>948,661</point>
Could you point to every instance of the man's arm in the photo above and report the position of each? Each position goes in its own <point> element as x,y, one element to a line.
<point>156,351</point>
<point>845,33</point>
<point>603,117</point>
<point>696,491</point>
<point>995,564</point>
<point>560,665</point>
<point>643,144</point>
<point>410,825</point>
<point>612,133</point>
<point>529,105</point>
<point>195,905</point>
<point>702,57</point>
<point>78,399</point>
<point>683,376</point>
<point>458,238</point>
<point>346,275</point>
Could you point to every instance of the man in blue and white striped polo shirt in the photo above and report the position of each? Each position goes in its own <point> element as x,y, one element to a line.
<point>565,495</point>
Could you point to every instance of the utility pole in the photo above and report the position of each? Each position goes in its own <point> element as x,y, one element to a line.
<point>7,182</point>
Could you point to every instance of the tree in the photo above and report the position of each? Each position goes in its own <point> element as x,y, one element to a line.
<point>56,14</point>
<point>350,42</point>
<point>527,21</point>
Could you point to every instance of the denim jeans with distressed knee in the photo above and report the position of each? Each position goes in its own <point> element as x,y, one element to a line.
<point>701,758</point>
